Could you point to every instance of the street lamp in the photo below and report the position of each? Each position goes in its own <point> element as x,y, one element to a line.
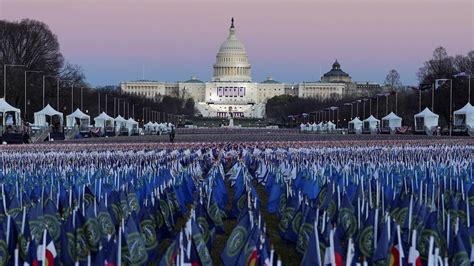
<point>29,71</point>
<point>57,85</point>
<point>5,78</point>
<point>144,114</point>
<point>98,111</point>
<point>106,103</point>
<point>440,82</point>
<point>352,111</point>
<point>333,108</point>
<point>82,96</point>
<point>116,106</point>
<point>357,108</point>
<point>72,97</point>
<point>468,76</point>
<point>364,100</point>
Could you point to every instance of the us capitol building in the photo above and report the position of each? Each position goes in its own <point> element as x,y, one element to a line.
<point>231,91</point>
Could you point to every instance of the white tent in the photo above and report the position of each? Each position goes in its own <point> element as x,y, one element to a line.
<point>330,126</point>
<point>40,116</point>
<point>155,126</point>
<point>104,120</point>
<point>391,121</point>
<point>356,125</point>
<point>371,124</point>
<point>84,120</point>
<point>132,125</point>
<point>323,127</point>
<point>464,117</point>
<point>7,108</point>
<point>426,120</point>
<point>120,123</point>
<point>312,127</point>
<point>303,127</point>
<point>319,126</point>
<point>149,126</point>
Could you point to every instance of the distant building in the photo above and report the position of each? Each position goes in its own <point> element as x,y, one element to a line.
<point>336,75</point>
<point>321,90</point>
<point>368,85</point>
<point>231,90</point>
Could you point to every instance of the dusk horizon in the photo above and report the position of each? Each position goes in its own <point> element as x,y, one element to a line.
<point>292,42</point>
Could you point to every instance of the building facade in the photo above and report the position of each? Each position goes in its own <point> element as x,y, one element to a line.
<point>231,91</point>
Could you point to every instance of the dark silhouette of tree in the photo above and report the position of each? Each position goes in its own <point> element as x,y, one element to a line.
<point>189,108</point>
<point>393,79</point>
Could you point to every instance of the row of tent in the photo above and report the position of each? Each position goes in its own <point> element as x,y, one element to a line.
<point>371,124</point>
<point>425,122</point>
<point>12,116</point>
<point>320,127</point>
<point>80,119</point>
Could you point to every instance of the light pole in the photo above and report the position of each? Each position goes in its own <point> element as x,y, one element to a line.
<point>377,104</point>
<point>57,84</point>
<point>396,101</point>
<point>364,100</point>
<point>128,109</point>
<point>72,97</point>
<point>352,111</point>
<point>370,105</point>
<point>118,106</point>
<point>82,97</point>
<point>125,109</point>
<point>468,76</point>
<point>335,108</point>
<point>144,114</point>
<point>432,97</point>
<point>357,108</point>
<point>419,99</point>
<point>441,82</point>
<point>98,110</point>
<point>29,71</point>
<point>5,78</point>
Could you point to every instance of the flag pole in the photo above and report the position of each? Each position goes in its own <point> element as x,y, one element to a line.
<point>44,248</point>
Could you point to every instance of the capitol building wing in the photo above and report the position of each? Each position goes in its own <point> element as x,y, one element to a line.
<point>231,91</point>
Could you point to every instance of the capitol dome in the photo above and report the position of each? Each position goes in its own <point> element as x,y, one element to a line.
<point>232,60</point>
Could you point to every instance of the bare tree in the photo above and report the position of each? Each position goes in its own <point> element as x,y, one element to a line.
<point>440,66</point>
<point>393,79</point>
<point>32,44</point>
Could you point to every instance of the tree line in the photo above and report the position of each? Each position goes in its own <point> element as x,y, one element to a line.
<point>405,101</point>
<point>30,56</point>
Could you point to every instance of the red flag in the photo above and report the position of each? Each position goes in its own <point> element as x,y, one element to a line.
<point>395,256</point>
<point>253,259</point>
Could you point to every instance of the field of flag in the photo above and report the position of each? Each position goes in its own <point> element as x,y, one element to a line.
<point>264,203</point>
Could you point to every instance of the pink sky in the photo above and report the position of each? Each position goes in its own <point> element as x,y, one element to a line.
<point>290,40</point>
